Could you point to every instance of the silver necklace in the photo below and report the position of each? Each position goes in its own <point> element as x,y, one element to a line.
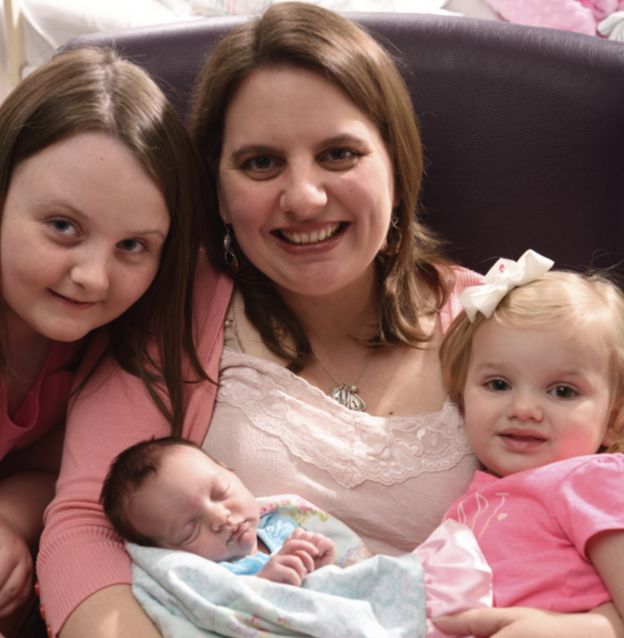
<point>347,394</point>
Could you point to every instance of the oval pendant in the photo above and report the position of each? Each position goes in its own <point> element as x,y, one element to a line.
<point>345,395</point>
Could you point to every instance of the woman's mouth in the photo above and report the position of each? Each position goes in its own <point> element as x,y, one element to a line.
<point>310,237</point>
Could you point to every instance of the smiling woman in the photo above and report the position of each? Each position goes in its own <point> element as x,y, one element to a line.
<point>99,187</point>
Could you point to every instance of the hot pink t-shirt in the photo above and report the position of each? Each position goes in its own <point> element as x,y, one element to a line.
<point>44,406</point>
<point>533,528</point>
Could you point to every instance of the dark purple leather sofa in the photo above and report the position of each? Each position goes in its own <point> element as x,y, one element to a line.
<point>523,128</point>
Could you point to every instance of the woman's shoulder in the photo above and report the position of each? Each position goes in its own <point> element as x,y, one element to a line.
<point>459,278</point>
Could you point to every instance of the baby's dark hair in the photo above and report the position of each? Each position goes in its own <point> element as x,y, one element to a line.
<point>127,473</point>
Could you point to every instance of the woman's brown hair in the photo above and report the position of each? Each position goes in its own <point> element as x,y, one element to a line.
<point>297,34</point>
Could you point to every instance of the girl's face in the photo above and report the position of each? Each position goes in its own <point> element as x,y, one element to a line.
<point>82,231</point>
<point>197,505</point>
<point>534,396</point>
<point>306,182</point>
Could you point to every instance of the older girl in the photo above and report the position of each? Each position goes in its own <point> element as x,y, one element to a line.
<point>99,218</point>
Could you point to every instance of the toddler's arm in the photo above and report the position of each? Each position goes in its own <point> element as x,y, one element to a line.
<point>606,553</point>
<point>301,554</point>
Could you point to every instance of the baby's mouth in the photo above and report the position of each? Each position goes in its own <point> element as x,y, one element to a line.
<point>309,237</point>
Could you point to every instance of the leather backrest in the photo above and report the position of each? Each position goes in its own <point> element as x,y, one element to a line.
<point>523,128</point>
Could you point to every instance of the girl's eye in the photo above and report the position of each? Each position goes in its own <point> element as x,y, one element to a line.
<point>63,227</point>
<point>131,245</point>
<point>564,392</point>
<point>498,385</point>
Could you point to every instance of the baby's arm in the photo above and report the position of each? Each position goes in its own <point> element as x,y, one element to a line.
<point>23,497</point>
<point>301,554</point>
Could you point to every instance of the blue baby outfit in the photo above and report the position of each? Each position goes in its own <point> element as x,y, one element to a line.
<point>273,530</point>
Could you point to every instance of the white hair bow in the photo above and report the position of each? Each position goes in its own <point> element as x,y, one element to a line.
<point>502,277</point>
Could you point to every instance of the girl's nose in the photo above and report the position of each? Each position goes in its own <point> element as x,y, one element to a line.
<point>525,406</point>
<point>303,192</point>
<point>90,272</point>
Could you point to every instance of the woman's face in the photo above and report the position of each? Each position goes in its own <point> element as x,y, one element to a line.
<point>82,231</point>
<point>305,181</point>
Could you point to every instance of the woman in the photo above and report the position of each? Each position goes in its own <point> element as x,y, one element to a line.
<point>329,383</point>
<point>100,202</point>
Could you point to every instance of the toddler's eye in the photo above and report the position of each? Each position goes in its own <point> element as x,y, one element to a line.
<point>564,392</point>
<point>498,385</point>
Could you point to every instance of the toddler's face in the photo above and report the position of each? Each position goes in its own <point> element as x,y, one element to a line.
<point>534,396</point>
<point>196,505</point>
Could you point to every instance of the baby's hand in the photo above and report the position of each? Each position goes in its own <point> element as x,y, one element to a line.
<point>301,554</point>
<point>16,570</point>
<point>326,550</point>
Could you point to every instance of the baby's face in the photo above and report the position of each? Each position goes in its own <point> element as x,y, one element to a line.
<point>196,505</point>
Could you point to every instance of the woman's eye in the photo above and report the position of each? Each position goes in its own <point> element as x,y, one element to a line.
<point>341,156</point>
<point>131,245</point>
<point>260,166</point>
<point>498,385</point>
<point>563,392</point>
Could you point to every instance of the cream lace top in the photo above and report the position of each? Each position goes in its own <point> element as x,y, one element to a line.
<point>389,478</point>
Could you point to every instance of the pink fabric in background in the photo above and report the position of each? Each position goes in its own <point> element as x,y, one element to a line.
<point>581,16</point>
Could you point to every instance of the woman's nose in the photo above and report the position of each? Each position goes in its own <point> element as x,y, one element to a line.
<point>303,192</point>
<point>525,406</point>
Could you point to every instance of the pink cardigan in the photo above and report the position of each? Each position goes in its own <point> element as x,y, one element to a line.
<point>79,553</point>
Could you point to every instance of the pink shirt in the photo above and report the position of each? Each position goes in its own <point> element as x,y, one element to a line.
<point>533,528</point>
<point>45,405</point>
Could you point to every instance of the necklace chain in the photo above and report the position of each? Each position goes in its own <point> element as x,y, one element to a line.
<point>347,394</point>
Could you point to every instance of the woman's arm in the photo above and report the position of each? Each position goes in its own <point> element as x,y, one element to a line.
<point>82,567</point>
<point>112,612</point>
<point>606,552</point>
<point>522,622</point>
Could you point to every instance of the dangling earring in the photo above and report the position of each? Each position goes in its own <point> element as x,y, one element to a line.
<point>229,256</point>
<point>392,244</point>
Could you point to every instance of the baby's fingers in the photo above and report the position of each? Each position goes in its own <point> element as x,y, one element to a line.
<point>291,570</point>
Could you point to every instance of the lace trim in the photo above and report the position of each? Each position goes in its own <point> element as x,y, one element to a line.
<point>352,447</point>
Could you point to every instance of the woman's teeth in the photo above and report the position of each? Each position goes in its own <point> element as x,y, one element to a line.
<point>311,237</point>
